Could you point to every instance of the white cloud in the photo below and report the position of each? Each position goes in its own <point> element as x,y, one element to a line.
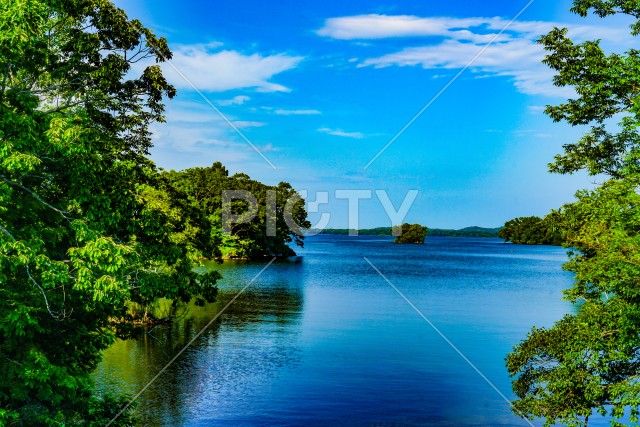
<point>236,100</point>
<point>248,124</point>
<point>283,112</point>
<point>195,134</point>
<point>518,59</point>
<point>536,108</point>
<point>197,138</point>
<point>457,41</point>
<point>477,29</point>
<point>339,132</point>
<point>374,26</point>
<point>218,71</point>
<point>532,133</point>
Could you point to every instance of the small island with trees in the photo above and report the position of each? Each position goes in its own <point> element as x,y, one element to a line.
<point>410,233</point>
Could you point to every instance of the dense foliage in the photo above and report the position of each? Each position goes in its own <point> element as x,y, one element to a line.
<point>285,212</point>
<point>410,233</point>
<point>531,230</point>
<point>589,362</point>
<point>85,226</point>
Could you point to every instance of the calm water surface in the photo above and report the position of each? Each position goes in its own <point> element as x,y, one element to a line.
<point>328,342</point>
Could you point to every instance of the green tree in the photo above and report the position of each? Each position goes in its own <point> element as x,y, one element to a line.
<point>205,186</point>
<point>85,227</point>
<point>589,362</point>
<point>531,230</point>
<point>410,233</point>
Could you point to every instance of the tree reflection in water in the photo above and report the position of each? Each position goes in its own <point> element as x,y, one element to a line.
<point>255,336</point>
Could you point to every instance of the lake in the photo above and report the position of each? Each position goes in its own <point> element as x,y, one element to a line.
<point>327,341</point>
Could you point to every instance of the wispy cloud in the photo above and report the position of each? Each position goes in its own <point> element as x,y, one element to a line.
<point>517,59</point>
<point>195,135</point>
<point>453,42</point>
<point>236,100</point>
<point>248,124</point>
<point>339,132</point>
<point>283,112</point>
<point>363,27</point>
<point>269,148</point>
<point>532,133</point>
<point>220,70</point>
<point>479,29</point>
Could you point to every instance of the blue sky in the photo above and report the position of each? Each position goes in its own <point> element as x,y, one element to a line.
<point>320,88</point>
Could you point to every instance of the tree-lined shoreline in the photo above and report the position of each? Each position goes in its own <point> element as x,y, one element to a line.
<point>388,231</point>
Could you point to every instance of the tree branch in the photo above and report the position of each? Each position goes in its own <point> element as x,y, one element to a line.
<point>4,78</point>
<point>58,316</point>
<point>35,196</point>
<point>6,232</point>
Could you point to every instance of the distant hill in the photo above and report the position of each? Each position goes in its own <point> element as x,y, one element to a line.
<point>465,232</point>
<point>386,231</point>
<point>380,231</point>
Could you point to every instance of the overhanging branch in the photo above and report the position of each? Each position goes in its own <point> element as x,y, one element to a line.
<point>35,196</point>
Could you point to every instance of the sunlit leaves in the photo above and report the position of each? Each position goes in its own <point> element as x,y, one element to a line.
<point>589,362</point>
<point>608,88</point>
<point>604,8</point>
<point>85,226</point>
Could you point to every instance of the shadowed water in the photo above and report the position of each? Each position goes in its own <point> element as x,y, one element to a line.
<point>328,342</point>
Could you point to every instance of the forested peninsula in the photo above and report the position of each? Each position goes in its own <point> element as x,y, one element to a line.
<point>202,190</point>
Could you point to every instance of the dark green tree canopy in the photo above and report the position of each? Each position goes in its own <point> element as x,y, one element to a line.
<point>410,233</point>
<point>205,186</point>
<point>531,230</point>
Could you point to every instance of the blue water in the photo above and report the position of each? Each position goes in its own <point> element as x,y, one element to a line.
<point>327,341</point>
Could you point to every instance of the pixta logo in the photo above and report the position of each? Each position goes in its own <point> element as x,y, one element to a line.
<point>241,207</point>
